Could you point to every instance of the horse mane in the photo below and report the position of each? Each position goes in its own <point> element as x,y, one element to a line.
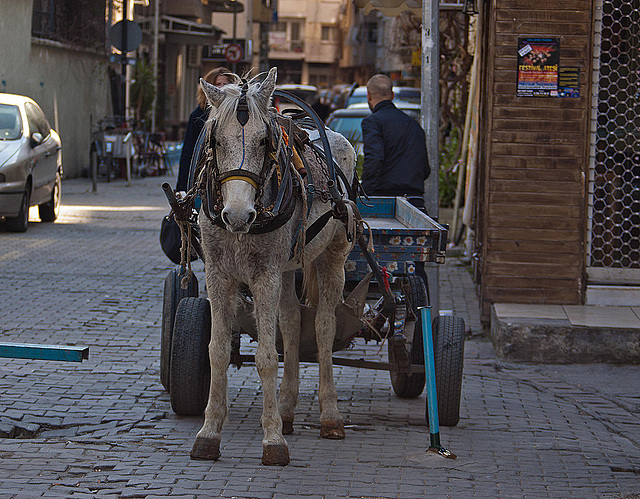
<point>226,110</point>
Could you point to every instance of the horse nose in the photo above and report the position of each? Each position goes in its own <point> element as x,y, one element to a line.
<point>238,221</point>
<point>252,217</point>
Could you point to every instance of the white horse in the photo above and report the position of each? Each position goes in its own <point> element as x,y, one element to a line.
<point>238,176</point>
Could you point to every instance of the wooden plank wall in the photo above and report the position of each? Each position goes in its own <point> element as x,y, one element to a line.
<point>533,181</point>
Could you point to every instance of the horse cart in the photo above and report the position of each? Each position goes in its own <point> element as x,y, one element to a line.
<point>382,297</point>
<point>257,171</point>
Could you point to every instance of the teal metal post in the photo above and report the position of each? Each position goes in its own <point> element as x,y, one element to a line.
<point>432,395</point>
<point>64,353</point>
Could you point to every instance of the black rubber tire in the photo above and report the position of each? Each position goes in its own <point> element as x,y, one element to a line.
<point>50,210</point>
<point>21,222</point>
<point>412,385</point>
<point>448,345</point>
<point>190,371</point>
<point>173,293</point>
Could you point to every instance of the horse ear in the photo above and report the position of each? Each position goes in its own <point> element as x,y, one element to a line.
<point>268,85</point>
<point>213,94</point>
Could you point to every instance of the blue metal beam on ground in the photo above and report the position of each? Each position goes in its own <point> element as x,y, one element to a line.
<point>44,352</point>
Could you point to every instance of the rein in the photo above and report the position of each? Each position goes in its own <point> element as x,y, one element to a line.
<point>276,170</point>
<point>279,156</point>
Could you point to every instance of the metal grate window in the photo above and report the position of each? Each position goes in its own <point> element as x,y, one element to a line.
<point>63,21</point>
<point>614,207</point>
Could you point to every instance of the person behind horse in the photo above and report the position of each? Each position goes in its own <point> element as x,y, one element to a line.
<point>218,77</point>
<point>395,149</point>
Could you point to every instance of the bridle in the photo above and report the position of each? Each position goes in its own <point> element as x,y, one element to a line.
<point>206,180</point>
<point>276,170</point>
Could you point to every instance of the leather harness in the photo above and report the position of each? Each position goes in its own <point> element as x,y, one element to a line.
<point>206,179</point>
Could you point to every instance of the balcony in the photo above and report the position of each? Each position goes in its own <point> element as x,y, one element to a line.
<point>286,49</point>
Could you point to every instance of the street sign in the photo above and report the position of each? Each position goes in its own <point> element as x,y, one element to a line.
<point>217,52</point>
<point>134,36</point>
<point>233,52</point>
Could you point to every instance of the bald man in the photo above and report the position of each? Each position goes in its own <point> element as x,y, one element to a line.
<point>395,150</point>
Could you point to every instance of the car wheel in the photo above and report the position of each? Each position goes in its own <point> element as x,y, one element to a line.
<point>50,210</point>
<point>21,222</point>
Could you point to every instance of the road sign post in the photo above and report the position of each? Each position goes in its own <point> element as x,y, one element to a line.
<point>233,53</point>
<point>125,35</point>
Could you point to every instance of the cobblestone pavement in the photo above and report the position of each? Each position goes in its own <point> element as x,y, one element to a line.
<point>104,428</point>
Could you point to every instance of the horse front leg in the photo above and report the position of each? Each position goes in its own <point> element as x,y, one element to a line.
<point>266,291</point>
<point>222,295</point>
<point>330,270</point>
<point>289,321</point>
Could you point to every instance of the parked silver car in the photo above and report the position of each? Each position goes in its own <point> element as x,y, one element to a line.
<point>30,163</point>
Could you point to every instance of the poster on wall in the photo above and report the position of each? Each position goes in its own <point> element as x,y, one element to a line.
<point>538,61</point>
<point>569,82</point>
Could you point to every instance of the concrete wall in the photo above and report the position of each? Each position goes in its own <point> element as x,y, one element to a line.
<point>71,85</point>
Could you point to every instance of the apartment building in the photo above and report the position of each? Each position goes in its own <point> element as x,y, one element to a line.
<point>305,42</point>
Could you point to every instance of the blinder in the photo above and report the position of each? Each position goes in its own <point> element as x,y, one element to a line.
<point>242,111</point>
<point>273,170</point>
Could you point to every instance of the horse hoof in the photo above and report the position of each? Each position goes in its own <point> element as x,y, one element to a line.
<point>333,430</point>
<point>206,448</point>
<point>287,427</point>
<point>275,455</point>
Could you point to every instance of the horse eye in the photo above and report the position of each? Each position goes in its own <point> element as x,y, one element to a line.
<point>263,142</point>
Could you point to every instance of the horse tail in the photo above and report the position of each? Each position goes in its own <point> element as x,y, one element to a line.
<point>310,291</point>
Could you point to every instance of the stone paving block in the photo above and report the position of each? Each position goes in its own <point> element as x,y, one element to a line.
<point>523,430</point>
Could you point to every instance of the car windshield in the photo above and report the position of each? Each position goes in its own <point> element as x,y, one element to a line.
<point>349,126</point>
<point>358,96</point>
<point>356,99</point>
<point>407,94</point>
<point>10,122</point>
<point>307,95</point>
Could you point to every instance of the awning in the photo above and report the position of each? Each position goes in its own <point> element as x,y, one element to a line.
<point>392,8</point>
<point>183,31</point>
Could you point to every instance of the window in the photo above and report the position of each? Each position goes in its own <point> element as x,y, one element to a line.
<point>614,204</point>
<point>325,36</point>
<point>37,120</point>
<point>286,35</point>
<point>295,30</point>
<point>371,30</point>
<point>63,21</point>
<point>10,122</point>
<point>194,56</point>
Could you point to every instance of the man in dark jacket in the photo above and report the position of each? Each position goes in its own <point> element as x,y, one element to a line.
<point>395,150</point>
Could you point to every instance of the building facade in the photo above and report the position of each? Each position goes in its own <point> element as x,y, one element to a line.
<point>304,43</point>
<point>61,65</point>
<point>558,205</point>
<point>184,33</point>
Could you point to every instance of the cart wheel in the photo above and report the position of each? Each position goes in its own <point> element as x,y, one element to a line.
<point>411,385</point>
<point>173,293</point>
<point>448,346</point>
<point>190,372</point>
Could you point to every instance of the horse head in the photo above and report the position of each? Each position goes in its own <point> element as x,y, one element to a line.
<point>238,136</point>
